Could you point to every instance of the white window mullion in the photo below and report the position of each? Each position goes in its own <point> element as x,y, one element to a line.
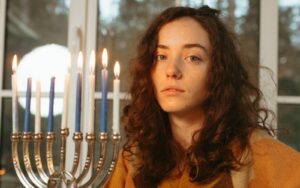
<point>288,99</point>
<point>2,38</point>
<point>268,53</point>
<point>90,44</point>
<point>76,33</point>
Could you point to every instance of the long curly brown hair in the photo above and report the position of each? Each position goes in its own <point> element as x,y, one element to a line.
<point>231,110</point>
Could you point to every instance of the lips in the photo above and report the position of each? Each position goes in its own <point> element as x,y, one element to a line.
<point>172,90</point>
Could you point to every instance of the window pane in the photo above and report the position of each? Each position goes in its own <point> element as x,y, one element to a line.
<point>288,124</point>
<point>289,47</point>
<point>9,179</point>
<point>121,24</point>
<point>29,24</point>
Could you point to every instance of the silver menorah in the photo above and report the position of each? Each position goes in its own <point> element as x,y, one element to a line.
<point>62,177</point>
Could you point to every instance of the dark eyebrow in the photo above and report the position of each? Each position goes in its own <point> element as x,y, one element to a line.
<point>192,45</point>
<point>195,45</point>
<point>162,46</point>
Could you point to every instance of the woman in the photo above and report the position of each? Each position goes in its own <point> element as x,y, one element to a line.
<point>194,118</point>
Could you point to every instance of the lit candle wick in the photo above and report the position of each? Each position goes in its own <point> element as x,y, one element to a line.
<point>104,58</point>
<point>14,64</point>
<point>117,69</point>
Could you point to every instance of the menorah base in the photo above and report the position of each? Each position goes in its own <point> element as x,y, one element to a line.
<point>58,179</point>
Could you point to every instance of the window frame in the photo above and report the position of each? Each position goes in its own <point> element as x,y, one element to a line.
<point>3,93</point>
<point>268,57</point>
<point>268,50</point>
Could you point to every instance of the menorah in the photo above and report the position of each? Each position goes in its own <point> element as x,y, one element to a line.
<point>60,177</point>
<point>39,176</point>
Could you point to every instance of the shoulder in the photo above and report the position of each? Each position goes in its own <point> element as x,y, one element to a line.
<point>268,163</point>
<point>273,162</point>
<point>122,175</point>
<point>264,145</point>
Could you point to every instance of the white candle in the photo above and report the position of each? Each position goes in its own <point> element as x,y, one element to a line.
<point>37,128</point>
<point>64,117</point>
<point>15,122</point>
<point>92,92</point>
<point>116,99</point>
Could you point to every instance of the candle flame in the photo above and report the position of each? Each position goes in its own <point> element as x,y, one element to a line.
<point>92,62</point>
<point>14,63</point>
<point>104,58</point>
<point>80,61</point>
<point>117,69</point>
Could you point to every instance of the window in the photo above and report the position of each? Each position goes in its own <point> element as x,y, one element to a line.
<point>30,24</point>
<point>288,73</point>
<point>117,25</point>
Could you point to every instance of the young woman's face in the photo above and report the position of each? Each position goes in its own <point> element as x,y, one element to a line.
<point>181,69</point>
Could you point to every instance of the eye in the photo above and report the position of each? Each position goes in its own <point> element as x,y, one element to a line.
<point>160,57</point>
<point>193,59</point>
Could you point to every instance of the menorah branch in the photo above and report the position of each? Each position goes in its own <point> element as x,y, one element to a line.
<point>103,138</point>
<point>27,137</point>
<point>64,133</point>
<point>116,138</point>
<point>90,139</point>
<point>77,137</point>
<point>49,151</point>
<point>15,139</point>
<point>38,137</point>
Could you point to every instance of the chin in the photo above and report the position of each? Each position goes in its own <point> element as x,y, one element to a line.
<point>174,105</point>
<point>171,108</point>
<point>179,107</point>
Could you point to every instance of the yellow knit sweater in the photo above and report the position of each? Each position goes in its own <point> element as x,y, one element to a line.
<point>273,165</point>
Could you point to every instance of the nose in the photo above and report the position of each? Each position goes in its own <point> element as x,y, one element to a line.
<point>174,70</point>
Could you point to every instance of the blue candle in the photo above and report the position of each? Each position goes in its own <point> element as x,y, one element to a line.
<point>51,105</point>
<point>27,109</point>
<point>104,101</point>
<point>78,103</point>
<point>104,76</point>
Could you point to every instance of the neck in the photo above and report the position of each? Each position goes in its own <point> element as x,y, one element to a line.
<point>184,126</point>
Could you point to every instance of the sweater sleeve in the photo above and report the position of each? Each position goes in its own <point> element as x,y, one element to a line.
<point>274,165</point>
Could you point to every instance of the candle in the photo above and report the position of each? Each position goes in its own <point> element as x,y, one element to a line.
<point>51,105</point>
<point>27,108</point>
<point>15,119</point>
<point>38,106</point>
<point>78,93</point>
<point>116,99</point>
<point>104,76</point>
<point>64,117</point>
<point>92,92</point>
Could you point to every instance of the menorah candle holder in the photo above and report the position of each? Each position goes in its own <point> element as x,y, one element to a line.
<point>49,177</point>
